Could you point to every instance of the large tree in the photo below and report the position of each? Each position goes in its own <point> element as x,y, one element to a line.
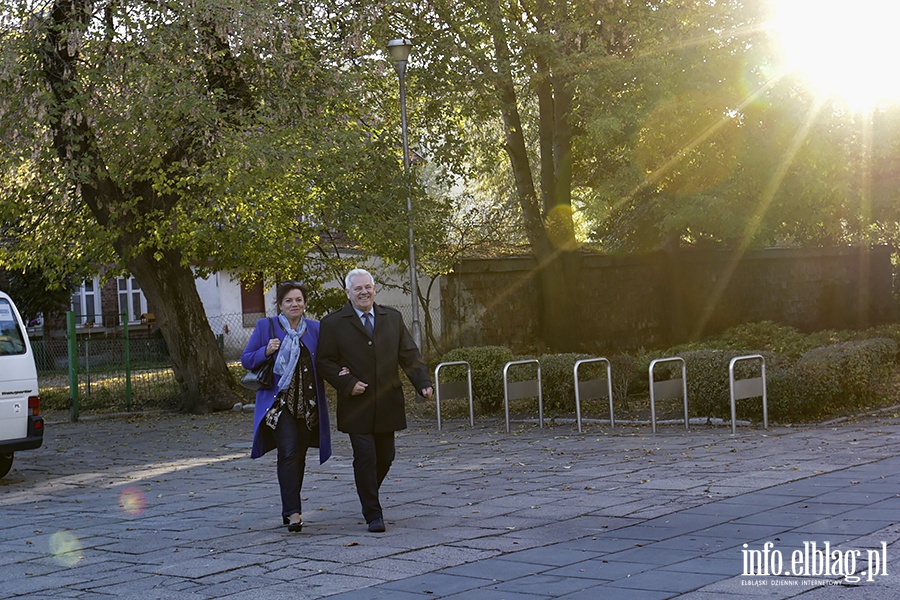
<point>564,85</point>
<point>173,138</point>
<point>652,124</point>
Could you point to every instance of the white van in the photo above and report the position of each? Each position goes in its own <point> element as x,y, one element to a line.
<point>21,423</point>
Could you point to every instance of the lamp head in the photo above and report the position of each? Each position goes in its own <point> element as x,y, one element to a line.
<point>399,49</point>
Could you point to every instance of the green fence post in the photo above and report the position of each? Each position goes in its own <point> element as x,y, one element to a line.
<point>72,338</point>
<point>127,355</point>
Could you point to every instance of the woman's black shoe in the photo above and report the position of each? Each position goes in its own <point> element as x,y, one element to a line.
<point>298,526</point>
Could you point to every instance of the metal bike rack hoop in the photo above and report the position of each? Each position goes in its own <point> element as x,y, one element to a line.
<point>671,388</point>
<point>747,388</point>
<point>449,390</point>
<point>523,389</point>
<point>592,386</point>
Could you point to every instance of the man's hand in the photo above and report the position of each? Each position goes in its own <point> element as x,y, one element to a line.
<point>428,392</point>
<point>358,388</point>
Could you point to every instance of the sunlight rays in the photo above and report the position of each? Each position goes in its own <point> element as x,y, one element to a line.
<point>859,86</point>
<point>862,85</point>
<point>744,31</point>
<point>656,176</point>
<point>765,201</point>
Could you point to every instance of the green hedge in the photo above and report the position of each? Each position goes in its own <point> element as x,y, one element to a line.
<point>848,374</point>
<point>487,364</point>
<point>558,380</point>
<point>804,379</point>
<point>625,370</point>
<point>764,336</point>
<point>843,375</point>
<point>891,332</point>
<point>709,393</point>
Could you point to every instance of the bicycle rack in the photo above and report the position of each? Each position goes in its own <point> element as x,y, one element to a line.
<point>747,388</point>
<point>593,388</point>
<point>671,388</point>
<point>450,390</point>
<point>523,389</point>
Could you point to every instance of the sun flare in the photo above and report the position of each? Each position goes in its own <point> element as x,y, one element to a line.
<point>845,50</point>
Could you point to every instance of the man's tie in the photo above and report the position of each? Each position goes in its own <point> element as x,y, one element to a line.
<point>367,323</point>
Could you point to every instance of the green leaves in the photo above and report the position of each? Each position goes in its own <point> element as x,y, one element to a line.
<point>237,135</point>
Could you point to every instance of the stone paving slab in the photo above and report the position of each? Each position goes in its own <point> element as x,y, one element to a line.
<point>170,506</point>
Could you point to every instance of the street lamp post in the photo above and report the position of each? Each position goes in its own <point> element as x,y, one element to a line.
<point>399,50</point>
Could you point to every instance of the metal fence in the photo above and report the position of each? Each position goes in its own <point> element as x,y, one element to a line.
<point>127,367</point>
<point>234,330</point>
<point>98,353</point>
<point>117,366</point>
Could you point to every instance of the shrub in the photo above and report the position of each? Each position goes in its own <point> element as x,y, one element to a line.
<point>803,381</point>
<point>487,364</point>
<point>763,336</point>
<point>640,382</point>
<point>891,332</point>
<point>624,369</point>
<point>709,393</point>
<point>827,337</point>
<point>558,379</point>
<point>785,394</point>
<point>843,375</point>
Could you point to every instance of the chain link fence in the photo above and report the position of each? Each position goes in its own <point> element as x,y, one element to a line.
<point>234,330</point>
<point>132,371</point>
<point>113,371</point>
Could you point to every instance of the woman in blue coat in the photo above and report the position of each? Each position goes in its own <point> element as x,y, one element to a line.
<point>293,415</point>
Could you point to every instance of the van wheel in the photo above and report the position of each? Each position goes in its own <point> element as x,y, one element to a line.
<point>6,459</point>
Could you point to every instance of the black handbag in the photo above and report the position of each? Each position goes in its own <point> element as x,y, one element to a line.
<point>262,377</point>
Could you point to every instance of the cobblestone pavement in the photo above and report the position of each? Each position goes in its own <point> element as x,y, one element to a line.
<point>169,506</point>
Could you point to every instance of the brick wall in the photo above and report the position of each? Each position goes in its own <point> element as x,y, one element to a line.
<point>659,299</point>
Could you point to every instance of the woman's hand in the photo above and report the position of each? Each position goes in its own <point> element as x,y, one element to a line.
<point>358,388</point>
<point>273,346</point>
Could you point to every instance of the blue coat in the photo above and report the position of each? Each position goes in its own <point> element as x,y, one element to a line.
<point>253,356</point>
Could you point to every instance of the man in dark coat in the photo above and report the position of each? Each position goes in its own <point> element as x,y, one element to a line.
<point>361,350</point>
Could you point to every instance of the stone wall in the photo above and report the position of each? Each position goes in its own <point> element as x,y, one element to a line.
<point>659,299</point>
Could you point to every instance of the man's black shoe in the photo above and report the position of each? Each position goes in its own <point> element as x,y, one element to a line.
<point>376,525</point>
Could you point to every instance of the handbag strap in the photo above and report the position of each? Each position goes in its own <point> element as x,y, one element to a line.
<point>271,335</point>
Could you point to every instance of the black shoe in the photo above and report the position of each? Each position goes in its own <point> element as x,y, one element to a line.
<point>285,520</point>
<point>376,525</point>
<point>298,526</point>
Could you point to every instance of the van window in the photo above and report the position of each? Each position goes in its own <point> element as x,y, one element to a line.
<point>11,339</point>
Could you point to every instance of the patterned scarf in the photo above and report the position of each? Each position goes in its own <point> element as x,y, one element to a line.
<point>289,353</point>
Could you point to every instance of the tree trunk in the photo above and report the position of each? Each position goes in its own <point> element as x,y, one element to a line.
<point>550,232</point>
<point>559,323</point>
<point>203,377</point>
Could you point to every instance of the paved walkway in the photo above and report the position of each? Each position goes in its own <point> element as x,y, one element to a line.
<point>171,507</point>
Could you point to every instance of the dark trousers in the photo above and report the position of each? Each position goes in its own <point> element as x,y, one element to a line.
<point>293,439</point>
<point>373,454</point>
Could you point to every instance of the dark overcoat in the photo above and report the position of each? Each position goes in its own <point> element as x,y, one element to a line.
<point>344,343</point>
<point>253,356</point>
